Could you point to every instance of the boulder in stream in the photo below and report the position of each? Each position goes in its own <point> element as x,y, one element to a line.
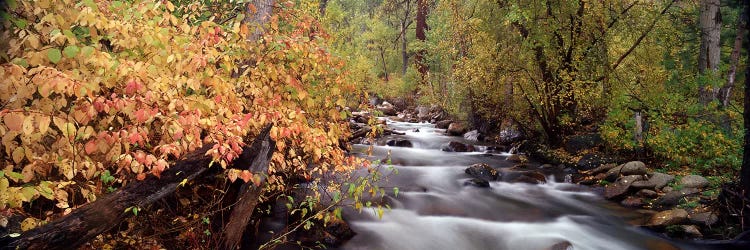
<point>456,128</point>
<point>473,136</point>
<point>476,182</point>
<point>399,143</point>
<point>620,187</point>
<point>455,146</point>
<point>482,171</point>
<point>443,124</point>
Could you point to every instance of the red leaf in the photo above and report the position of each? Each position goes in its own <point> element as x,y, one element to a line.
<point>90,147</point>
<point>246,176</point>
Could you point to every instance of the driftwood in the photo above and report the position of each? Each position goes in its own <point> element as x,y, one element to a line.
<point>90,220</point>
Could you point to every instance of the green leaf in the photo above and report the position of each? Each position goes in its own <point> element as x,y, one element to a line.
<point>15,176</point>
<point>337,213</point>
<point>71,51</point>
<point>20,22</point>
<point>54,55</point>
<point>87,50</point>
<point>336,196</point>
<point>69,34</point>
<point>21,62</point>
<point>28,193</point>
<point>395,191</point>
<point>351,189</point>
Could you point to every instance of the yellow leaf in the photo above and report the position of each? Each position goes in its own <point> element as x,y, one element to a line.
<point>68,130</point>
<point>43,123</point>
<point>28,125</point>
<point>67,169</point>
<point>170,6</point>
<point>18,155</point>
<point>28,224</point>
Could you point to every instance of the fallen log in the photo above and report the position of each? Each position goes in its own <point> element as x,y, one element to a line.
<point>90,220</point>
<point>261,152</point>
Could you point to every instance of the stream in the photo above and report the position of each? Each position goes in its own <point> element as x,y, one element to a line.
<point>435,209</point>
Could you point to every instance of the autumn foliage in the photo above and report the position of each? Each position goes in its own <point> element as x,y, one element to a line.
<point>102,92</point>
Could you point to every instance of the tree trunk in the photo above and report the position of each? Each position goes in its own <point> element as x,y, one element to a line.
<point>404,54</point>
<point>422,37</point>
<point>257,14</point>
<point>90,220</point>
<point>745,170</point>
<point>322,7</point>
<point>725,91</point>
<point>710,49</point>
<point>260,155</point>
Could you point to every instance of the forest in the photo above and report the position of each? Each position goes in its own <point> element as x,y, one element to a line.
<point>374,124</point>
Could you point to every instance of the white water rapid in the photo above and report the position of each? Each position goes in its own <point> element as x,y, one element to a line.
<point>436,210</point>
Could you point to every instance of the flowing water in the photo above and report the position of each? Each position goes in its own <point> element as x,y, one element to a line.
<point>435,210</point>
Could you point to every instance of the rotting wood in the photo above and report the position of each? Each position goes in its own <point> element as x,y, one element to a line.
<point>261,152</point>
<point>90,220</point>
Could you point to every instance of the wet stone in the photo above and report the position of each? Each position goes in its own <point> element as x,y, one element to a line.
<point>399,143</point>
<point>632,202</point>
<point>476,182</point>
<point>482,171</point>
<point>621,186</point>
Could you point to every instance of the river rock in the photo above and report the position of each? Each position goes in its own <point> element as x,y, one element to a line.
<point>443,124</point>
<point>668,218</point>
<point>660,180</point>
<point>473,136</point>
<point>423,113</point>
<point>565,245</point>
<point>704,218</point>
<point>476,182</point>
<point>509,133</point>
<point>456,128</point>
<point>631,201</point>
<point>691,231</point>
<point>530,177</point>
<point>399,143</point>
<point>656,181</point>
<point>645,193</point>
<point>693,181</point>
<point>482,171</point>
<point>601,169</point>
<point>630,168</point>
<point>455,146</point>
<point>387,109</point>
<point>673,198</point>
<point>621,186</point>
